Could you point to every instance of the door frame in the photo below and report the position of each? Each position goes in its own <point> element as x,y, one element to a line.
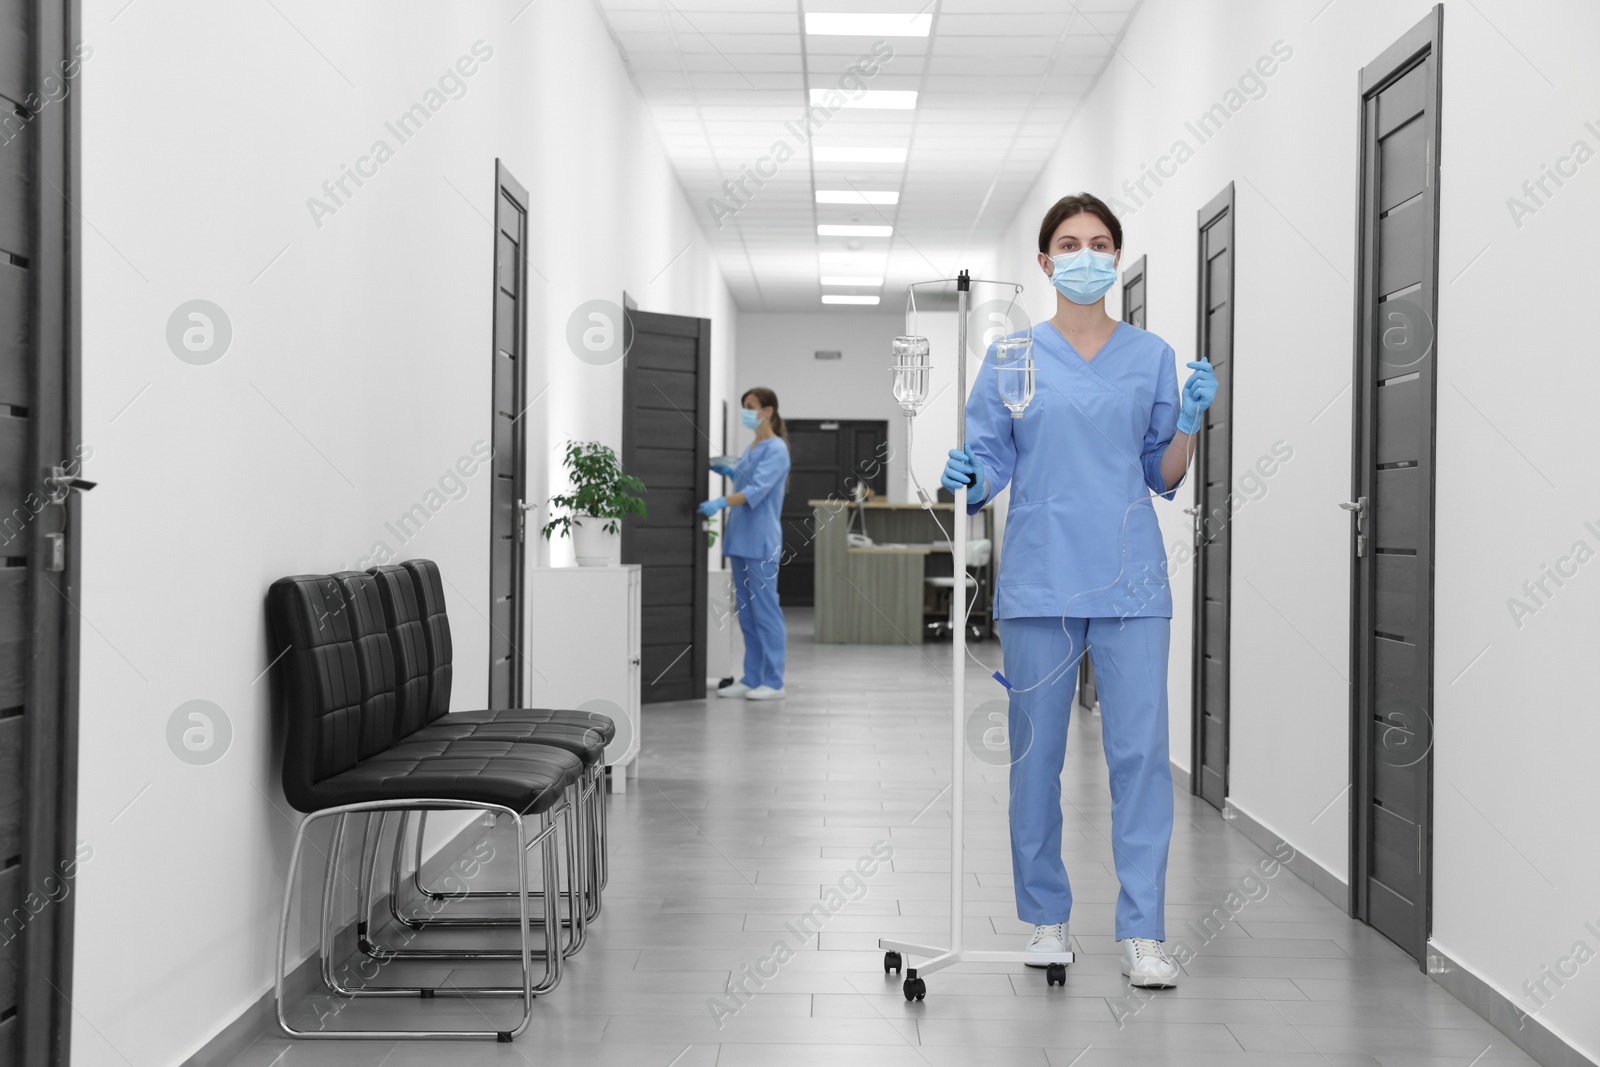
<point>50,794</point>
<point>1224,203</point>
<point>1418,43</point>
<point>506,185</point>
<point>1136,273</point>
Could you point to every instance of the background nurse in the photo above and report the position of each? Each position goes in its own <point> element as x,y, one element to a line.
<point>753,543</point>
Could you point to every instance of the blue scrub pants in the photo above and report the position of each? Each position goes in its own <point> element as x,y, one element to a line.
<point>755,587</point>
<point>1130,674</point>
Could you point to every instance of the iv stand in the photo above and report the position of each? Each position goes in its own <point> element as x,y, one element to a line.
<point>915,985</point>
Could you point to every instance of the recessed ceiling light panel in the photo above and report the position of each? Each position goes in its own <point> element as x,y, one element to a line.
<point>858,196</point>
<point>841,230</point>
<point>868,24</point>
<point>880,99</point>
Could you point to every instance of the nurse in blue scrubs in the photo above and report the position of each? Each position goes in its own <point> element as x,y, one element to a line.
<point>1083,569</point>
<point>753,542</point>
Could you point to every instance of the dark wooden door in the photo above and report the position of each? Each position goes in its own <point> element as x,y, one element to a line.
<point>39,520</point>
<point>828,458</point>
<point>1392,486</point>
<point>1213,538</point>
<point>665,412</point>
<point>508,524</point>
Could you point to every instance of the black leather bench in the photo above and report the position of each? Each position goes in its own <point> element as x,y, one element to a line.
<point>419,629</point>
<point>353,749</point>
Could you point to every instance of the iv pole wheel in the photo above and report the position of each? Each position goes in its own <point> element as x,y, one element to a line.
<point>891,962</point>
<point>1056,974</point>
<point>915,989</point>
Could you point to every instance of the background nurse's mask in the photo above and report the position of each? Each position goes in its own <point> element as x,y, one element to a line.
<point>750,417</point>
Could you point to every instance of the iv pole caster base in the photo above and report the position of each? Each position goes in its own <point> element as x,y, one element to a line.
<point>1056,974</point>
<point>891,962</point>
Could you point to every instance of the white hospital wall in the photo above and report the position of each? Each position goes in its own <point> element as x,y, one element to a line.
<point>1516,874</point>
<point>359,371</point>
<point>1510,881</point>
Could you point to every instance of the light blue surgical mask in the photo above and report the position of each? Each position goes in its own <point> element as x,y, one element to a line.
<point>1083,276</point>
<point>750,417</point>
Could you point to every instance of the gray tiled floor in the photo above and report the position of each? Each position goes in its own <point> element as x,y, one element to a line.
<point>743,814</point>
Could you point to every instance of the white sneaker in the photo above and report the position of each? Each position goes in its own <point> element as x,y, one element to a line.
<point>764,692</point>
<point>1051,938</point>
<point>737,689</point>
<point>1146,964</point>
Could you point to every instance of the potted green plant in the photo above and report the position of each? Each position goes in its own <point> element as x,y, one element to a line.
<point>601,496</point>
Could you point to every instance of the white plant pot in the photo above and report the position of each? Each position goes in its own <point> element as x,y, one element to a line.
<point>593,546</point>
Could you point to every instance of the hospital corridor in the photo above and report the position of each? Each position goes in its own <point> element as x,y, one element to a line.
<point>751,533</point>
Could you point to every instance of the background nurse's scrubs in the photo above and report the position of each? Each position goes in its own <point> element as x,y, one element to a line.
<point>753,543</point>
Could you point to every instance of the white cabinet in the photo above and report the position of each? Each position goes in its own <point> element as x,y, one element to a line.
<point>583,650</point>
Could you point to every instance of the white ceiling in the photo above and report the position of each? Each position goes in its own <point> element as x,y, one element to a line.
<point>997,81</point>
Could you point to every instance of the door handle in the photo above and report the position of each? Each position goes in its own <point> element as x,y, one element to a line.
<point>61,484</point>
<point>1357,508</point>
<point>1194,513</point>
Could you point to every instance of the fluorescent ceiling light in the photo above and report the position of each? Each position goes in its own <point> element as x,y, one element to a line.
<point>858,196</point>
<point>826,230</point>
<point>850,279</point>
<point>854,259</point>
<point>883,99</point>
<point>871,24</point>
<point>839,298</point>
<point>858,155</point>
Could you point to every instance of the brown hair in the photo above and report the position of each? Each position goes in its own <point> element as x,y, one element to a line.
<point>1077,204</point>
<point>767,399</point>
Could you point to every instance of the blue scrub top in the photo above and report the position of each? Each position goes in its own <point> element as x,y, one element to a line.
<point>754,527</point>
<point>1081,537</point>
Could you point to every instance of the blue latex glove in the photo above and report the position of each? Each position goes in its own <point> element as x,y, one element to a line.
<point>962,469</point>
<point>1198,392</point>
<point>724,469</point>
<point>711,507</point>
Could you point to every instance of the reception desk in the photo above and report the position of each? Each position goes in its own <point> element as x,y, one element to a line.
<point>874,594</point>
